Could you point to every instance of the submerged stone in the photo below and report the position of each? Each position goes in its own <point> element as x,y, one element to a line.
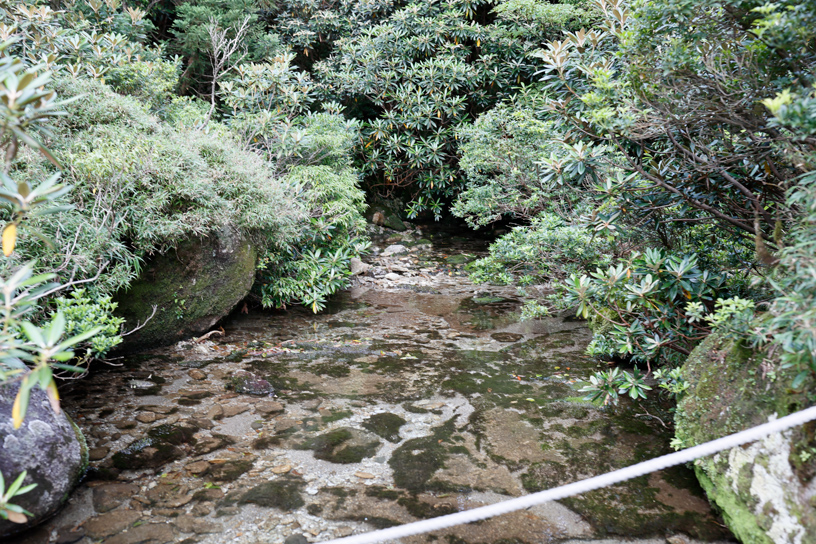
<point>145,453</point>
<point>159,447</point>
<point>173,434</point>
<point>506,336</point>
<point>462,258</point>
<point>230,470</point>
<point>415,462</point>
<point>197,364</point>
<point>487,299</point>
<point>141,385</point>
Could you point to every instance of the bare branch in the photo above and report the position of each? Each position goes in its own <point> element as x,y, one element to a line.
<point>140,326</point>
<point>222,55</point>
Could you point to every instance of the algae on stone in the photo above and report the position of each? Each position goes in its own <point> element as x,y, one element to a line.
<point>283,494</point>
<point>415,462</point>
<point>160,446</point>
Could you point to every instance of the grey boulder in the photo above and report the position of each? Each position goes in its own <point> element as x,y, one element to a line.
<point>49,446</point>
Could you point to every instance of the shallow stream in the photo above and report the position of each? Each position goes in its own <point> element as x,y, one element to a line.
<point>416,394</point>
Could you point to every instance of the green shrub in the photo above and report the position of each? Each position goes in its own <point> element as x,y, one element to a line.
<point>500,154</point>
<point>790,324</point>
<point>142,186</point>
<point>184,112</point>
<point>417,75</point>
<point>546,250</point>
<point>191,40</point>
<point>317,264</point>
<point>152,82</point>
<point>83,313</point>
<point>649,295</point>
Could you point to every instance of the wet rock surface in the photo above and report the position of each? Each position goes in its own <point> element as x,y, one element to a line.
<point>415,394</point>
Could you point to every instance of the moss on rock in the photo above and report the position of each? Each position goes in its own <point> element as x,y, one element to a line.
<point>415,462</point>
<point>384,216</point>
<point>192,288</point>
<point>760,488</point>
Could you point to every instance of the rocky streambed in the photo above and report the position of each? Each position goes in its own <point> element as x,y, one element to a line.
<point>416,394</point>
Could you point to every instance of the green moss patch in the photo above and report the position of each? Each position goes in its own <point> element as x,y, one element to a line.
<point>730,391</point>
<point>336,415</point>
<point>385,425</point>
<point>342,446</point>
<point>283,494</point>
<point>415,462</point>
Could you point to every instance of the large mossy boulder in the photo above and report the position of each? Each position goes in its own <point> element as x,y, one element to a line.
<point>764,489</point>
<point>49,446</point>
<point>192,287</point>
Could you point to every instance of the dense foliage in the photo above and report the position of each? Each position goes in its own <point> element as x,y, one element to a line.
<point>789,325</point>
<point>425,71</point>
<point>676,135</point>
<point>183,174</point>
<point>178,183</point>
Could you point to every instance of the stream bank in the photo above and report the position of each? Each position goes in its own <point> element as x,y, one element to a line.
<point>415,394</point>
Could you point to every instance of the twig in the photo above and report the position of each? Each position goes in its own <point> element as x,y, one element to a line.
<point>218,332</point>
<point>653,416</point>
<point>223,49</point>
<point>73,283</point>
<point>140,326</point>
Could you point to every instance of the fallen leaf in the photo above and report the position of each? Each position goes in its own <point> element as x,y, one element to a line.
<point>9,240</point>
<point>16,517</point>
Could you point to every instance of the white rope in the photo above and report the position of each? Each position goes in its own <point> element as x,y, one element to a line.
<point>597,482</point>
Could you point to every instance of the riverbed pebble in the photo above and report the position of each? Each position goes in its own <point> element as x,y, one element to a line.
<point>269,407</point>
<point>196,374</point>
